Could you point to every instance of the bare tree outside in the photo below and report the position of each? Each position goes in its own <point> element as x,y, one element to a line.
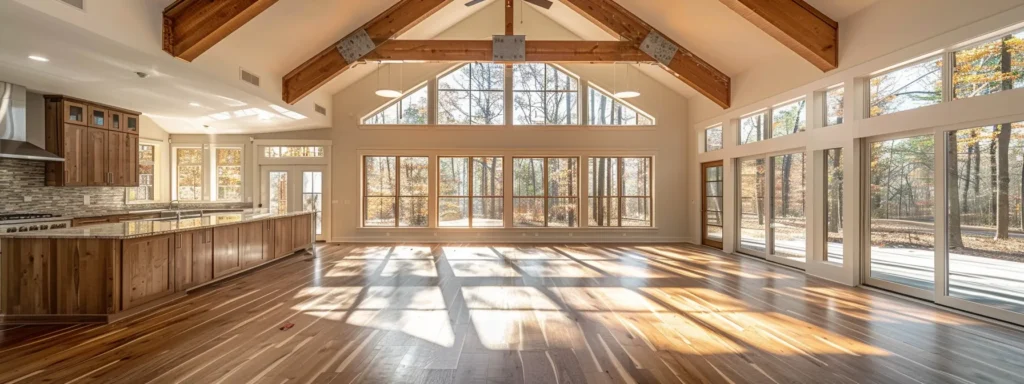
<point>473,94</point>
<point>542,94</point>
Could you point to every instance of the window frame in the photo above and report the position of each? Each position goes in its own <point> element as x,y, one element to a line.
<point>471,195</point>
<point>639,112</point>
<point>215,180</point>
<point>765,123</point>
<point>263,149</point>
<point>398,101</point>
<point>934,56</point>
<point>397,206</point>
<point>175,174</point>
<point>547,194</point>
<point>156,161</point>
<point>951,58</point>
<point>505,91</point>
<point>825,105</point>
<point>770,126</point>
<point>620,188</point>
<point>544,92</point>
<point>721,139</point>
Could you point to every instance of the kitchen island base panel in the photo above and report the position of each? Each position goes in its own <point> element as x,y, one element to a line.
<point>98,280</point>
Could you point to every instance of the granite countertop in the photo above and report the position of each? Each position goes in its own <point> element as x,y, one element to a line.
<point>143,228</point>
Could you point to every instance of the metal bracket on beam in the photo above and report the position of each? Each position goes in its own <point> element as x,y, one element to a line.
<point>356,45</point>
<point>509,48</point>
<point>658,47</point>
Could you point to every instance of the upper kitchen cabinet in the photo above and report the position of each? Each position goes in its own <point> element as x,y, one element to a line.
<point>99,143</point>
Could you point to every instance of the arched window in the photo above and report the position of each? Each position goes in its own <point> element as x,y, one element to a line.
<point>607,110</point>
<point>473,94</point>
<point>543,94</point>
<point>410,109</point>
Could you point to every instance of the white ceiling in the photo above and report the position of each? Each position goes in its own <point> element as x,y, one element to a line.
<point>94,54</point>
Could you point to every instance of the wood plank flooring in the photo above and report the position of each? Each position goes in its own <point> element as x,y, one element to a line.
<point>522,314</point>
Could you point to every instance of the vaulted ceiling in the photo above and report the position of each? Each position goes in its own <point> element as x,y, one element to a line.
<point>125,36</point>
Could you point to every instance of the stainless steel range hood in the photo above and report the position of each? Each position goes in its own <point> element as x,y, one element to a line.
<point>13,139</point>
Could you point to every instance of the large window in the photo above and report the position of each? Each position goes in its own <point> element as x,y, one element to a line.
<point>470,192</point>
<point>313,196</point>
<point>544,95</point>
<point>834,99</point>
<point>229,174</point>
<point>901,200</point>
<point>713,138</point>
<point>545,192</point>
<point>834,205</point>
<point>752,127</point>
<point>147,172</point>
<point>990,67</point>
<point>607,110</point>
<point>752,211</point>
<point>292,151</point>
<point>189,171</point>
<point>985,179</point>
<point>788,229</point>
<point>473,94</point>
<point>620,192</point>
<point>396,191</point>
<point>913,86</point>
<point>411,109</point>
<point>789,118</point>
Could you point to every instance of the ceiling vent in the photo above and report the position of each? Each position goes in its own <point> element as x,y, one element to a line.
<point>80,4</point>
<point>249,77</point>
<point>320,109</point>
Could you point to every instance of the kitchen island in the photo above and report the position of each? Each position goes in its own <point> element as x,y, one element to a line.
<point>102,273</point>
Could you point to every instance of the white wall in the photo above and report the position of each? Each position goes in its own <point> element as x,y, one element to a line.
<point>665,142</point>
<point>889,45</point>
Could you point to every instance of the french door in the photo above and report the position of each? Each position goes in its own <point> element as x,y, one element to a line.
<point>293,188</point>
<point>711,203</point>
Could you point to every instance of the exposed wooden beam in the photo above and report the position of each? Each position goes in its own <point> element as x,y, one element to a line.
<point>329,63</point>
<point>193,26</point>
<point>481,50</point>
<point>797,25</point>
<point>684,65</point>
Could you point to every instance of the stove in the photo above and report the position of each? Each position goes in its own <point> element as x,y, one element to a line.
<point>27,222</point>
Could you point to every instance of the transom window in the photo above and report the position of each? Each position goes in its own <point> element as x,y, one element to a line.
<point>229,174</point>
<point>990,67</point>
<point>542,94</point>
<point>607,110</point>
<point>789,118</point>
<point>189,180</point>
<point>410,109</point>
<point>713,138</point>
<point>473,94</point>
<point>752,127</point>
<point>470,192</point>
<point>293,151</point>
<point>913,86</point>
<point>396,191</point>
<point>834,99</point>
<point>620,192</point>
<point>545,192</point>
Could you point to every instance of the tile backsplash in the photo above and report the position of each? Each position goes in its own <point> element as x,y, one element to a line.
<point>21,178</point>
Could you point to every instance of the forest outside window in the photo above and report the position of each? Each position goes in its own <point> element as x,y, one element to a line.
<point>789,118</point>
<point>293,152</point>
<point>606,110</point>
<point>396,191</point>
<point>471,192</point>
<point>545,192</point>
<point>542,94</point>
<point>189,174</point>
<point>620,192</point>
<point>910,87</point>
<point>994,66</point>
<point>834,99</point>
<point>473,94</point>
<point>752,127</point>
<point>146,190</point>
<point>713,138</point>
<point>228,170</point>
<point>410,109</point>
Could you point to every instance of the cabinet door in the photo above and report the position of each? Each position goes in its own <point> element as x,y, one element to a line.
<point>74,155</point>
<point>301,227</point>
<point>131,161</point>
<point>116,142</point>
<point>96,157</point>
<point>250,238</point>
<point>183,261</point>
<point>225,251</point>
<point>75,113</point>
<point>202,256</point>
<point>268,240</point>
<point>282,237</point>
<point>116,121</point>
<point>147,271</point>
<point>131,123</point>
<point>99,117</point>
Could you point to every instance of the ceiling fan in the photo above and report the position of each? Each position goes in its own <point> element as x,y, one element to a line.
<point>546,4</point>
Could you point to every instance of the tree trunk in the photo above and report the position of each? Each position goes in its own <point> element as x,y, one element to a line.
<point>759,193</point>
<point>834,219</point>
<point>965,203</point>
<point>952,190</point>
<point>1003,207</point>
<point>993,187</point>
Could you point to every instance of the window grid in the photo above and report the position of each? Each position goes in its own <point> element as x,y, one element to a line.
<point>229,174</point>
<point>570,93</point>
<point>396,193</point>
<point>620,194</point>
<point>546,196</point>
<point>469,93</point>
<point>147,175</point>
<point>471,183</point>
<point>293,151</point>
<point>394,112</point>
<point>189,177</point>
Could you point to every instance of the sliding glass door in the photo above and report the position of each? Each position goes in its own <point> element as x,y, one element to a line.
<point>752,239</point>
<point>787,233</point>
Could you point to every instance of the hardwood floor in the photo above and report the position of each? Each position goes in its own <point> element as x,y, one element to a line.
<point>533,314</point>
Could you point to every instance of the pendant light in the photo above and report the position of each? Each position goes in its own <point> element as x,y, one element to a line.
<point>627,93</point>
<point>386,92</point>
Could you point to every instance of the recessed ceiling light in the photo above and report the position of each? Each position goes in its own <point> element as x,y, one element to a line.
<point>38,58</point>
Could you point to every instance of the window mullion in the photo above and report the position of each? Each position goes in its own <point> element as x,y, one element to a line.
<point>621,168</point>
<point>546,197</point>
<point>469,190</point>
<point>398,190</point>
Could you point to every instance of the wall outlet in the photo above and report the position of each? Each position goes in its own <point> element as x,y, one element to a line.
<point>28,199</point>
<point>86,200</point>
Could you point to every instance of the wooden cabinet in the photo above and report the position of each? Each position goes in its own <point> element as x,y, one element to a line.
<point>282,237</point>
<point>99,144</point>
<point>250,244</point>
<point>301,227</point>
<point>268,240</point>
<point>147,270</point>
<point>202,256</point>
<point>96,157</point>
<point>183,278</point>
<point>226,259</point>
